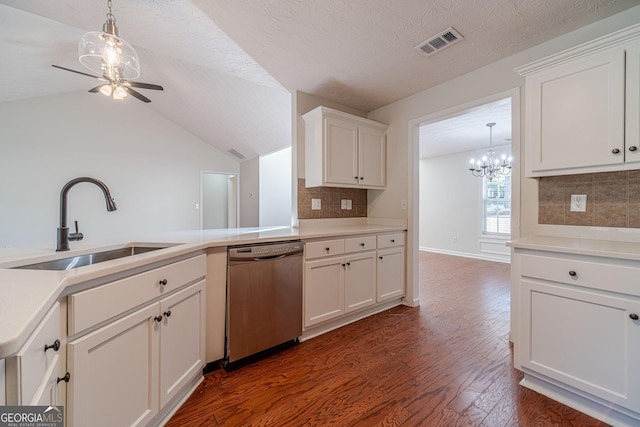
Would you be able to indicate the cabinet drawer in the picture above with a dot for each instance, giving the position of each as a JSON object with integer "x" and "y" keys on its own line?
{"x": 323, "y": 248}
{"x": 390, "y": 240}
{"x": 26, "y": 371}
{"x": 90, "y": 307}
{"x": 356, "y": 244}
{"x": 591, "y": 274}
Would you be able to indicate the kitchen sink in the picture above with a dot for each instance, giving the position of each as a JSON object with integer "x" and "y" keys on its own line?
{"x": 89, "y": 259}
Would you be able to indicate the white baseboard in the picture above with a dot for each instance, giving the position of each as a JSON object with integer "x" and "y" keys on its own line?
{"x": 487, "y": 257}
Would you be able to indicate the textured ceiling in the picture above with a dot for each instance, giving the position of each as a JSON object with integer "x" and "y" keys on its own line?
{"x": 467, "y": 130}
{"x": 228, "y": 66}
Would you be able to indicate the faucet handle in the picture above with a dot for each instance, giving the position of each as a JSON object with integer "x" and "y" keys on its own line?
{"x": 77, "y": 235}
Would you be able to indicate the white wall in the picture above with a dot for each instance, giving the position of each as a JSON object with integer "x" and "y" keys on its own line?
{"x": 250, "y": 193}
{"x": 450, "y": 204}
{"x": 275, "y": 188}
{"x": 151, "y": 166}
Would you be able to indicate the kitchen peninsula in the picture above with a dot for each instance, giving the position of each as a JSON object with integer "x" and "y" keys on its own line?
{"x": 142, "y": 317}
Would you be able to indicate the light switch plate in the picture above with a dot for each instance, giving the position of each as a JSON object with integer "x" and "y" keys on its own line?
{"x": 316, "y": 204}
{"x": 578, "y": 203}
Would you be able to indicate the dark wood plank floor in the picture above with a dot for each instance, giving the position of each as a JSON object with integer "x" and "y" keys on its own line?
{"x": 446, "y": 363}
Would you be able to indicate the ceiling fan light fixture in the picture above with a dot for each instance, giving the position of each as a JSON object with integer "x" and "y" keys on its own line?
{"x": 119, "y": 93}
{"x": 106, "y": 54}
{"x": 106, "y": 90}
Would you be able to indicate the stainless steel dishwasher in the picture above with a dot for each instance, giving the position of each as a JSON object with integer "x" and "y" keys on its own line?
{"x": 264, "y": 297}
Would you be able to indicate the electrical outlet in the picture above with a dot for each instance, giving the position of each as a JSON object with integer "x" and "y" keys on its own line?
{"x": 578, "y": 203}
{"x": 316, "y": 204}
{"x": 454, "y": 239}
{"x": 403, "y": 205}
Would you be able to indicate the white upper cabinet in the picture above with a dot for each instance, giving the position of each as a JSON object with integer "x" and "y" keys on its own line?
{"x": 576, "y": 104}
{"x": 342, "y": 150}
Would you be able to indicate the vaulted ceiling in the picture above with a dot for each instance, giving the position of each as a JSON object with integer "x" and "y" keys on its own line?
{"x": 228, "y": 66}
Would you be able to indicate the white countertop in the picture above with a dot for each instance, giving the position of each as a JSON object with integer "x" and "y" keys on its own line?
{"x": 28, "y": 294}
{"x": 591, "y": 247}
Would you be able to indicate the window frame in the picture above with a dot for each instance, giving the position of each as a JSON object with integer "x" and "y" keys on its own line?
{"x": 505, "y": 199}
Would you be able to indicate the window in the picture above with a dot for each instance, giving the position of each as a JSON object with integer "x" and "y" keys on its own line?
{"x": 497, "y": 205}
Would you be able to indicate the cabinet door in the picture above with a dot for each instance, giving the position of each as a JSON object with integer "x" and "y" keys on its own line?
{"x": 360, "y": 281}
{"x": 390, "y": 273}
{"x": 323, "y": 290}
{"x": 576, "y": 114}
{"x": 182, "y": 351}
{"x": 29, "y": 371}
{"x": 582, "y": 338}
{"x": 340, "y": 152}
{"x": 51, "y": 392}
{"x": 114, "y": 373}
{"x": 632, "y": 121}
{"x": 372, "y": 157}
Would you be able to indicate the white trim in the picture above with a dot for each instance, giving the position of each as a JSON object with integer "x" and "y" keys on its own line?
{"x": 495, "y": 258}
{"x": 413, "y": 185}
{"x": 587, "y": 48}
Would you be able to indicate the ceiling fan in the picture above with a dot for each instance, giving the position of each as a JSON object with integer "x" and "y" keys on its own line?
{"x": 113, "y": 59}
{"x": 116, "y": 87}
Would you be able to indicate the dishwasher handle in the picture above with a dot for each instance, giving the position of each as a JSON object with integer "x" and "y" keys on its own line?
{"x": 244, "y": 255}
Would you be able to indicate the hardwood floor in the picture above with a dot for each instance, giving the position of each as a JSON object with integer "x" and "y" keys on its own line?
{"x": 445, "y": 363}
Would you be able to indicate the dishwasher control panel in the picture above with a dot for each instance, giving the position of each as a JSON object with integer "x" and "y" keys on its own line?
{"x": 269, "y": 250}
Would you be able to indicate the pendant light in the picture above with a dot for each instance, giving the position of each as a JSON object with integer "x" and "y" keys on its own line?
{"x": 106, "y": 54}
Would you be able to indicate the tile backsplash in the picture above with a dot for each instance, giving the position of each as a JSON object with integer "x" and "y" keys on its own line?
{"x": 613, "y": 199}
{"x": 330, "y": 202}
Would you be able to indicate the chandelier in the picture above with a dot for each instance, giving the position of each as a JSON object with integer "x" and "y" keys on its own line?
{"x": 489, "y": 166}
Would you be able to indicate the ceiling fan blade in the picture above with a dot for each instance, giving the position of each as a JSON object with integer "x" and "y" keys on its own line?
{"x": 144, "y": 85}
{"x": 77, "y": 72}
{"x": 97, "y": 88}
{"x": 135, "y": 94}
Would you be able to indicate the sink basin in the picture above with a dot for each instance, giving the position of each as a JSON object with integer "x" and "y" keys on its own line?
{"x": 89, "y": 259}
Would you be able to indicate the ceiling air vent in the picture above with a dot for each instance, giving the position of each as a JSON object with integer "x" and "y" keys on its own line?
{"x": 237, "y": 154}
{"x": 440, "y": 41}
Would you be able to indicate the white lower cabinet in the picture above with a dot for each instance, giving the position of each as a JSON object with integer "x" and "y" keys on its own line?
{"x": 359, "y": 281}
{"x": 323, "y": 290}
{"x": 390, "y": 273}
{"x": 579, "y": 333}
{"x": 125, "y": 372}
{"x": 584, "y": 339}
{"x": 182, "y": 341}
{"x": 114, "y": 373}
{"x": 342, "y": 275}
{"x": 338, "y": 285}
{"x": 32, "y": 374}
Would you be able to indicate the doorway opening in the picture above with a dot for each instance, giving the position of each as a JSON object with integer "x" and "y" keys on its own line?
{"x": 461, "y": 213}
{"x": 218, "y": 200}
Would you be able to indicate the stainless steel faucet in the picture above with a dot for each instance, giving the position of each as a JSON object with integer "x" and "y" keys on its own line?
{"x": 63, "y": 231}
